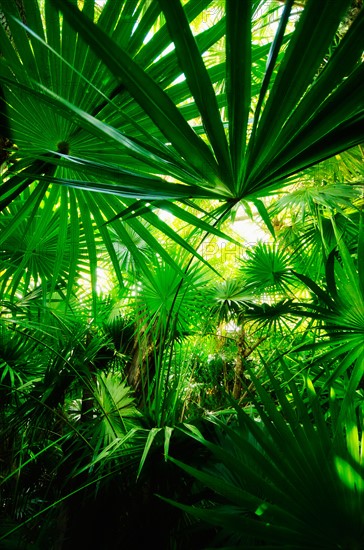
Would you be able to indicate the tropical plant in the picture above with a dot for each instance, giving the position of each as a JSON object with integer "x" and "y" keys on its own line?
{"x": 106, "y": 106}
{"x": 132, "y": 134}
{"x": 284, "y": 477}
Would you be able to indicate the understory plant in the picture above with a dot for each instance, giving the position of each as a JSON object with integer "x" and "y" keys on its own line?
{"x": 286, "y": 472}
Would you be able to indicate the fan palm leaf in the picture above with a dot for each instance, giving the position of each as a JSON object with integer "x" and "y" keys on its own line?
{"x": 267, "y": 268}
{"x": 94, "y": 105}
{"x": 290, "y": 477}
{"x": 336, "y": 309}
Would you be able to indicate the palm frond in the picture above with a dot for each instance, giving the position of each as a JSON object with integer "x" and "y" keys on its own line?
{"x": 284, "y": 477}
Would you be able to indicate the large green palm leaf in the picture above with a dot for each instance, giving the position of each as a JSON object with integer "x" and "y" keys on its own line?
{"x": 297, "y": 76}
{"x": 95, "y": 105}
{"x": 49, "y": 130}
{"x": 290, "y": 477}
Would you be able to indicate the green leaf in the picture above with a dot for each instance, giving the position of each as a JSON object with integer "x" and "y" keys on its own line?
{"x": 152, "y": 434}
{"x": 199, "y": 83}
{"x": 313, "y": 35}
{"x": 146, "y": 92}
{"x": 238, "y": 78}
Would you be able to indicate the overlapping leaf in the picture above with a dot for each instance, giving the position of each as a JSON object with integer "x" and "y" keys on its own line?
{"x": 119, "y": 101}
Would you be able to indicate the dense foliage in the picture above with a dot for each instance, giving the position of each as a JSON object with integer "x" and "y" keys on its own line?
{"x": 181, "y": 274}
